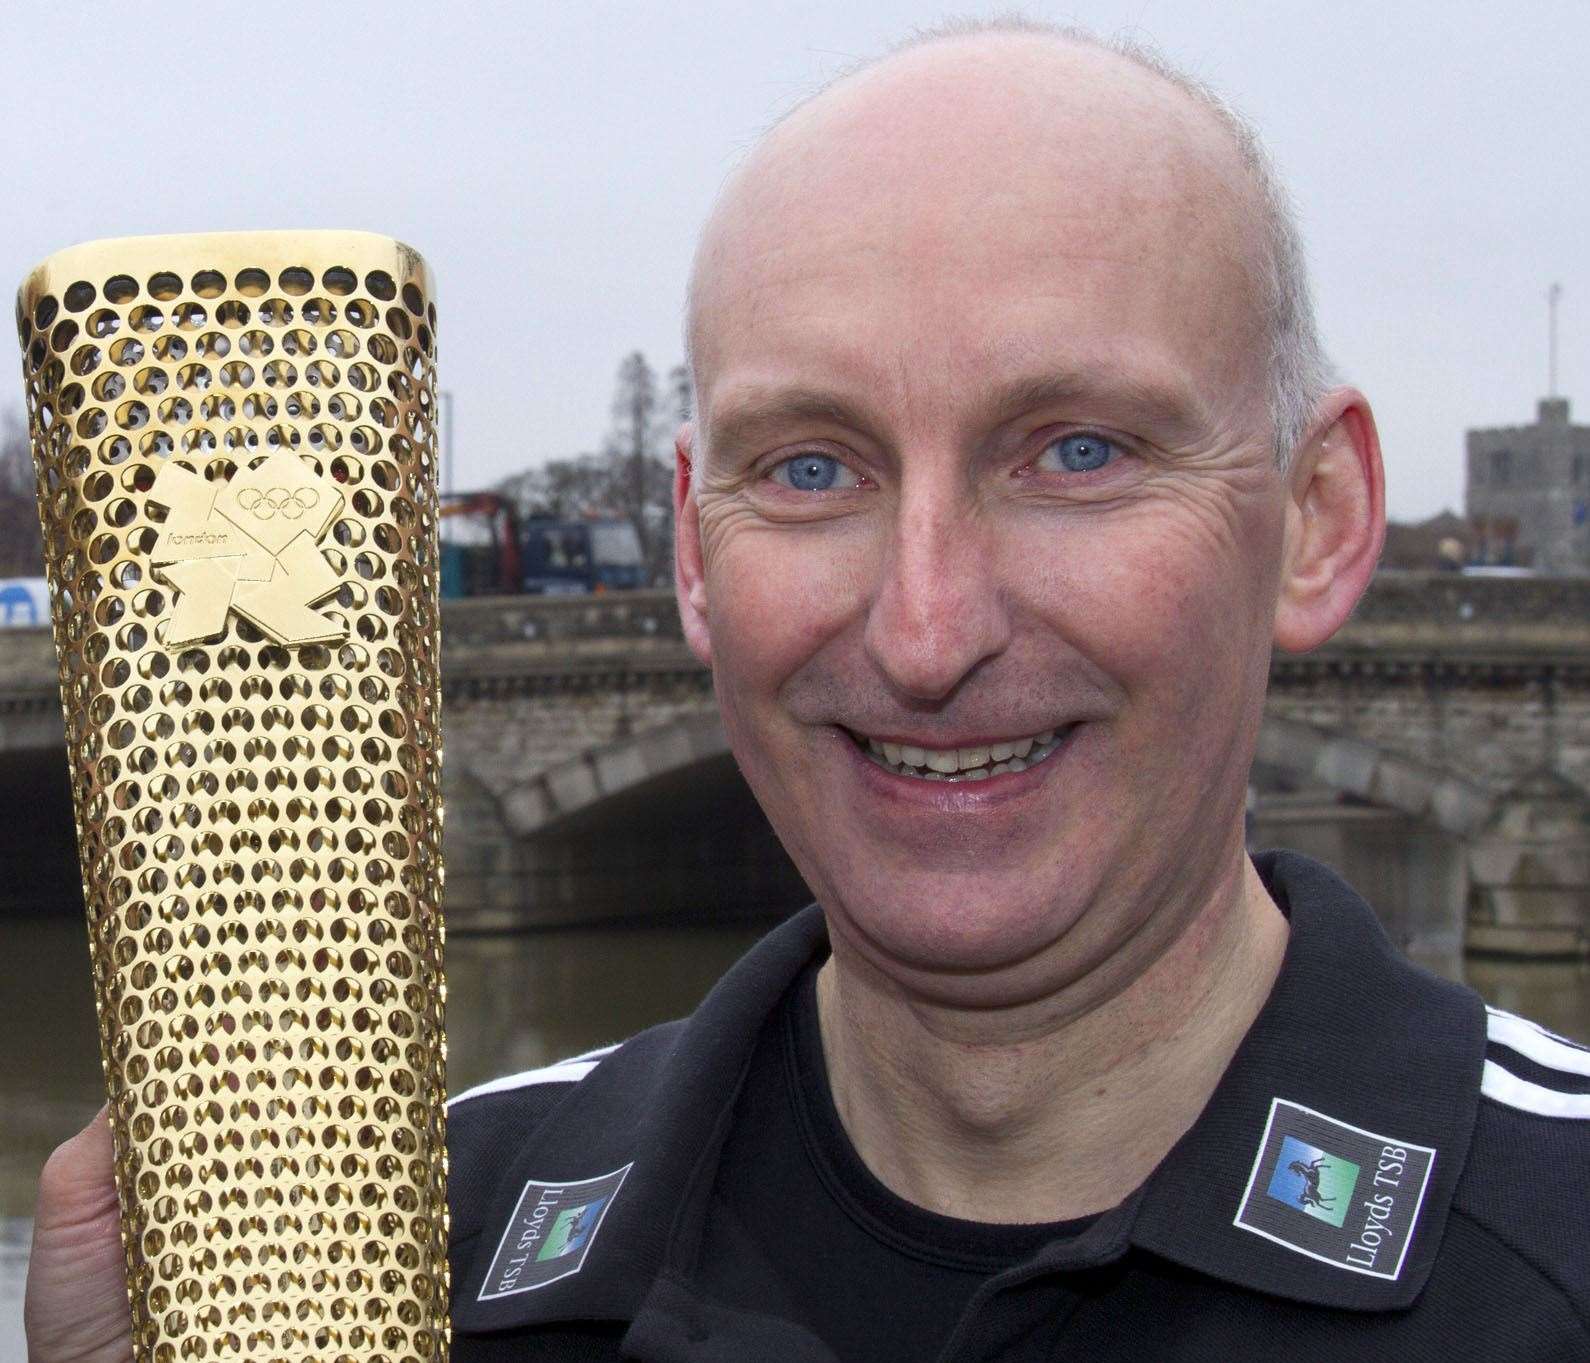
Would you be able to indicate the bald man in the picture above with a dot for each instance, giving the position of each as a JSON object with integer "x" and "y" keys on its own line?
{"x": 1016, "y": 455}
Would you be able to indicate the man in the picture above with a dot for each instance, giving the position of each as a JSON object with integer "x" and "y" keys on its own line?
{"x": 1015, "y": 455}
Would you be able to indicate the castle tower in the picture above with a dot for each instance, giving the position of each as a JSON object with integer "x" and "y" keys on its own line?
{"x": 1528, "y": 492}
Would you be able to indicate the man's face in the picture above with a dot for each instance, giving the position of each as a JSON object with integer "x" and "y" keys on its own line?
{"x": 985, "y": 464}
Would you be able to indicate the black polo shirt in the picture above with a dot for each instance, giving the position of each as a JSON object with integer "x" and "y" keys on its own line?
{"x": 1385, "y": 1171}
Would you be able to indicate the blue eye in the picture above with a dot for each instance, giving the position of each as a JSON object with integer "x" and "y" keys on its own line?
{"x": 1083, "y": 453}
{"x": 810, "y": 472}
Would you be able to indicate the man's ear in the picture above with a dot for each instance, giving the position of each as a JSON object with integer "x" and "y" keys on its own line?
{"x": 1335, "y": 522}
{"x": 689, "y": 581}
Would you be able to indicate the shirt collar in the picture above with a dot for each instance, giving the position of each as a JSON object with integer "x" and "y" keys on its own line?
{"x": 661, "y": 1104}
{"x": 1352, "y": 1030}
{"x": 1359, "y": 1035}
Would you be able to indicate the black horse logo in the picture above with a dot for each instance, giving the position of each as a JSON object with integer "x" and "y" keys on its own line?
{"x": 1310, "y": 1174}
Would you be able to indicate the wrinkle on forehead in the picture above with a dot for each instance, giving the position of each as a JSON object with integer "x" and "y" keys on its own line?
{"x": 936, "y": 159}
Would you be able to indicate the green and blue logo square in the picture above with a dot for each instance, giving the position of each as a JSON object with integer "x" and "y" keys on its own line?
{"x": 1314, "y": 1181}
{"x": 572, "y": 1229}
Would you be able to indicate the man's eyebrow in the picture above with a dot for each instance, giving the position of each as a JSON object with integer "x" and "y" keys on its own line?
{"x": 1163, "y": 409}
{"x": 756, "y": 410}
{"x": 1166, "y": 410}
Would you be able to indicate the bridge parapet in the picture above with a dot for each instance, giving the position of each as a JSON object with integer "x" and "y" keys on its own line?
{"x": 1444, "y": 620}
{"x": 1475, "y": 605}
{"x": 1448, "y": 613}
{"x": 1453, "y": 607}
{"x": 485, "y": 621}
{"x": 27, "y": 664}
{"x": 1442, "y": 601}
{"x": 1479, "y": 676}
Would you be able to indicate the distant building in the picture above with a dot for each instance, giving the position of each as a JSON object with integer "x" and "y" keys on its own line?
{"x": 1528, "y": 494}
{"x": 1444, "y": 543}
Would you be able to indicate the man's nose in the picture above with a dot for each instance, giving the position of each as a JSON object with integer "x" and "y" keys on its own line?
{"x": 940, "y": 608}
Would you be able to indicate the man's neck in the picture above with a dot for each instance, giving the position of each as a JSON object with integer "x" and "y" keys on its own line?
{"x": 1073, "y": 1117}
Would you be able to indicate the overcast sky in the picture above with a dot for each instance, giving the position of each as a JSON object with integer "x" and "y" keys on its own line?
{"x": 554, "y": 162}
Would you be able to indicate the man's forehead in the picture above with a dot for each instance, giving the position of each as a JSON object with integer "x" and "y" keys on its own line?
{"x": 948, "y": 158}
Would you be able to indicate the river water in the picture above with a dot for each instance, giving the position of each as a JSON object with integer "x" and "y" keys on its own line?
{"x": 514, "y": 1002}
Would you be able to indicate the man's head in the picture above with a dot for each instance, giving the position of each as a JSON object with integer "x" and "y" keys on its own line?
{"x": 983, "y": 340}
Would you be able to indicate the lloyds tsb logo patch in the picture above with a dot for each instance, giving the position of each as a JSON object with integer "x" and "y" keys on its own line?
{"x": 1335, "y": 1192}
{"x": 549, "y": 1234}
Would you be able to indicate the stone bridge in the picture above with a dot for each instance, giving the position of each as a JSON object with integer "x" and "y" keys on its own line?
{"x": 588, "y": 775}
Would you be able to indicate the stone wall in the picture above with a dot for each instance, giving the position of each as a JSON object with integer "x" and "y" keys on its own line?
{"x": 1484, "y": 677}
{"x": 501, "y": 738}
{"x": 1491, "y": 735}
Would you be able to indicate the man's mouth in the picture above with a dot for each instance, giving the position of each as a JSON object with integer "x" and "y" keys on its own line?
{"x": 962, "y": 764}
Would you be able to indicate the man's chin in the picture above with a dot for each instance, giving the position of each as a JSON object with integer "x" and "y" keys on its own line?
{"x": 931, "y": 925}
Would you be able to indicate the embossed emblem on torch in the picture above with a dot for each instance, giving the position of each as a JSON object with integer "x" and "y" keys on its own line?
{"x": 250, "y": 545}
{"x": 236, "y": 457}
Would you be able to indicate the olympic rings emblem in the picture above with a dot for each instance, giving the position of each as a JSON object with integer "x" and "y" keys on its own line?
{"x": 267, "y": 503}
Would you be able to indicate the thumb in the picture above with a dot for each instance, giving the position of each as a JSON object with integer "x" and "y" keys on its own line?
{"x": 77, "y": 1187}
{"x": 76, "y": 1304}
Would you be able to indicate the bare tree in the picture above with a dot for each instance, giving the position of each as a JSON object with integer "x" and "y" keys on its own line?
{"x": 638, "y": 431}
{"x": 630, "y": 478}
{"x": 682, "y": 392}
{"x": 563, "y": 489}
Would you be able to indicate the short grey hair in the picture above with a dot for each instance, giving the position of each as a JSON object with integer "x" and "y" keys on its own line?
{"x": 1299, "y": 371}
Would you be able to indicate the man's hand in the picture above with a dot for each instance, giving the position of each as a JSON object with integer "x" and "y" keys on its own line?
{"x": 76, "y": 1306}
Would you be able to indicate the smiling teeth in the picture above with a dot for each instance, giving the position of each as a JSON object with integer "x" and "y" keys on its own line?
{"x": 964, "y": 764}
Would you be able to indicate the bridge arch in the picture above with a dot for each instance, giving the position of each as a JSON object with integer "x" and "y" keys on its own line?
{"x": 1309, "y": 756}
{"x": 610, "y": 769}
{"x": 657, "y": 827}
{"x": 38, "y": 845}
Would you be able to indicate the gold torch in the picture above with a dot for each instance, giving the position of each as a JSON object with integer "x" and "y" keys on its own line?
{"x": 235, "y": 443}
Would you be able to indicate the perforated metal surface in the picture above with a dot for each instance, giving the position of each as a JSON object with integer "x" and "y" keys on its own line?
{"x": 236, "y": 457}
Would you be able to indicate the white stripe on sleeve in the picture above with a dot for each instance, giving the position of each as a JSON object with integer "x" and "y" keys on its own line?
{"x": 1536, "y": 1043}
{"x": 1508, "y": 1088}
{"x": 569, "y": 1071}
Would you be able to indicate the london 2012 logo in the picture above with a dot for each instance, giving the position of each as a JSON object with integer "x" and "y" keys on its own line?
{"x": 250, "y": 546}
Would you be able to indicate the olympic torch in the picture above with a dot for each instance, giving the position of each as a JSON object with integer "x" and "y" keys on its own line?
{"x": 235, "y": 443}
